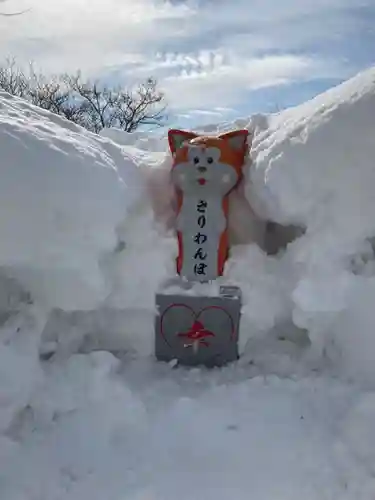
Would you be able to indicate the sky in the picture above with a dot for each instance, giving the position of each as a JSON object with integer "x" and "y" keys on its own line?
{"x": 214, "y": 59}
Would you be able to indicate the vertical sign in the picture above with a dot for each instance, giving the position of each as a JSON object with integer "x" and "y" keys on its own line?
{"x": 204, "y": 172}
{"x": 200, "y": 239}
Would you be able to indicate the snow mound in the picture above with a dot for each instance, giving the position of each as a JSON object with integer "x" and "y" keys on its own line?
{"x": 139, "y": 139}
{"x": 314, "y": 162}
{"x": 313, "y": 167}
{"x": 63, "y": 192}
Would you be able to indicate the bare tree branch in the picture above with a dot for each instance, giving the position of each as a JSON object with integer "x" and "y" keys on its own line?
{"x": 86, "y": 103}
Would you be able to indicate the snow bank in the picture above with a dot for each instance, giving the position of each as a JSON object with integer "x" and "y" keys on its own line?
{"x": 63, "y": 192}
{"x": 155, "y": 142}
{"x": 314, "y": 167}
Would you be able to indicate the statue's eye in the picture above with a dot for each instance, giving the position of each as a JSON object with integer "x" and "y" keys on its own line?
{"x": 210, "y": 159}
{"x": 196, "y": 160}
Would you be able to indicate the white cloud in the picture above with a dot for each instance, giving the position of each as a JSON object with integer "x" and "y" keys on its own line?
{"x": 90, "y": 34}
{"x": 224, "y": 82}
{"x": 205, "y": 53}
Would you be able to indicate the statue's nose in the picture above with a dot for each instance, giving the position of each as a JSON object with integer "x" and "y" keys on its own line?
{"x": 202, "y": 169}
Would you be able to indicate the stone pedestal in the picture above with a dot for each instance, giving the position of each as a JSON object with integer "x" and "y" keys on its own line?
{"x": 197, "y": 329}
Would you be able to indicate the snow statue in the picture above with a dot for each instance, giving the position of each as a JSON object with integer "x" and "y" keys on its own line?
{"x": 194, "y": 327}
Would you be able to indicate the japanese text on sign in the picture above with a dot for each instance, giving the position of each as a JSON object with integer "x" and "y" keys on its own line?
{"x": 200, "y": 239}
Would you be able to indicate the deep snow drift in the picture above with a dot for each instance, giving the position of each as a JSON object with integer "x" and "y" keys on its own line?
{"x": 63, "y": 192}
{"x": 292, "y": 419}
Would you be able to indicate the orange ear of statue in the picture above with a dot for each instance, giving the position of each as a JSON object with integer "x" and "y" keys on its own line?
{"x": 177, "y": 137}
{"x": 239, "y": 140}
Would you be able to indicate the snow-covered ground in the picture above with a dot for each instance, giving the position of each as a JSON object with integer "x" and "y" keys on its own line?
{"x": 85, "y": 411}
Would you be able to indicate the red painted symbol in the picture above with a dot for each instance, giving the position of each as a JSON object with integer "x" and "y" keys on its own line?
{"x": 197, "y": 334}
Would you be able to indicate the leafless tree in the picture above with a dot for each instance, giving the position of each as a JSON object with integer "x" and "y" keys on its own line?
{"x": 89, "y": 104}
{"x": 13, "y": 80}
{"x": 117, "y": 107}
